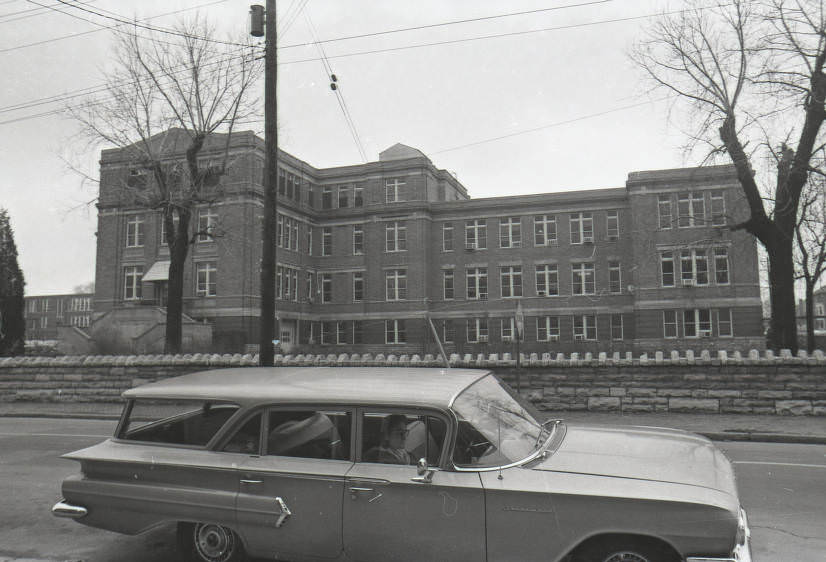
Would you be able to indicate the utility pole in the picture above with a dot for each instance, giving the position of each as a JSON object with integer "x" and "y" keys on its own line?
{"x": 268, "y": 245}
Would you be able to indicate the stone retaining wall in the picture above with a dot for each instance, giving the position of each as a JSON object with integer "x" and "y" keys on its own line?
{"x": 753, "y": 383}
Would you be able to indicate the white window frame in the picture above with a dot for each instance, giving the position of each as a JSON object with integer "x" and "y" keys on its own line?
{"x": 395, "y": 283}
{"x": 721, "y": 266}
{"x": 393, "y": 190}
{"x": 510, "y": 232}
{"x": 395, "y": 236}
{"x": 476, "y": 279}
{"x": 327, "y": 241}
{"x": 617, "y": 322}
{"x": 585, "y": 325}
{"x": 614, "y": 268}
{"x": 477, "y": 330}
{"x": 326, "y": 287}
{"x": 718, "y": 207}
{"x": 691, "y": 209}
{"x": 583, "y": 278}
{"x": 358, "y": 286}
{"x": 671, "y": 320}
{"x": 132, "y": 276}
{"x": 693, "y": 258}
{"x": 510, "y": 281}
{"x": 476, "y": 234}
{"x": 395, "y": 332}
{"x": 693, "y": 321}
{"x": 341, "y": 333}
{"x": 448, "y": 284}
{"x": 612, "y": 225}
{"x": 725, "y": 318}
{"x": 135, "y": 232}
{"x": 447, "y": 237}
{"x": 667, "y": 258}
{"x": 544, "y": 230}
{"x": 206, "y": 279}
{"x": 207, "y": 222}
{"x": 358, "y": 239}
{"x": 547, "y": 275}
{"x": 547, "y": 328}
{"x": 664, "y": 212}
{"x": 582, "y": 227}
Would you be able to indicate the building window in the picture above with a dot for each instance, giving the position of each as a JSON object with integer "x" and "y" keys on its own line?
{"x": 718, "y": 208}
{"x": 477, "y": 283}
{"x": 447, "y": 284}
{"x": 614, "y": 277}
{"x": 697, "y": 323}
{"x": 206, "y": 275}
{"x": 343, "y": 196}
{"x": 358, "y": 332}
{"x": 820, "y": 321}
{"x": 510, "y": 279}
{"x": 309, "y": 240}
{"x": 664, "y": 211}
{"x": 667, "y": 268}
{"x": 616, "y": 327}
{"x": 448, "y": 332}
{"x": 326, "y": 197}
{"x": 694, "y": 267}
{"x": 286, "y": 283}
{"x": 358, "y": 196}
{"x": 612, "y": 225}
{"x": 582, "y": 228}
{"x": 395, "y": 234}
{"x": 132, "y": 282}
{"x": 341, "y": 333}
{"x": 477, "y": 330}
{"x": 508, "y": 329}
{"x": 46, "y": 305}
{"x": 207, "y": 222}
{"x": 725, "y": 327}
{"x": 282, "y": 181}
{"x": 393, "y": 190}
{"x": 510, "y": 232}
{"x": 395, "y": 332}
{"x": 547, "y": 280}
{"x": 692, "y": 209}
{"x": 134, "y": 231}
{"x": 311, "y": 201}
{"x": 286, "y": 235}
{"x": 585, "y": 327}
{"x": 326, "y": 287}
{"x": 544, "y": 230}
{"x": 721, "y": 266}
{"x": 32, "y": 305}
{"x": 669, "y": 324}
{"x": 358, "y": 286}
{"x": 44, "y": 322}
{"x": 358, "y": 239}
{"x": 547, "y": 328}
{"x": 582, "y": 279}
{"x": 327, "y": 241}
{"x": 476, "y": 234}
{"x": 396, "y": 284}
{"x": 447, "y": 237}
{"x": 326, "y": 333}
{"x": 310, "y": 286}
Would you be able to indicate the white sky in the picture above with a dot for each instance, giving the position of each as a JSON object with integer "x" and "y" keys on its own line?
{"x": 433, "y": 98}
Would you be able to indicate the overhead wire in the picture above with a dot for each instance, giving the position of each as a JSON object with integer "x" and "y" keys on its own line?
{"x": 29, "y": 13}
{"x": 337, "y": 91}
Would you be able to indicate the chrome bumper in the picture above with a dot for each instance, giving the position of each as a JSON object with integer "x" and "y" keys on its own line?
{"x": 63, "y": 509}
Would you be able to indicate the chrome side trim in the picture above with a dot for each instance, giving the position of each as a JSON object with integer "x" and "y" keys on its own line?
{"x": 63, "y": 509}
{"x": 704, "y": 559}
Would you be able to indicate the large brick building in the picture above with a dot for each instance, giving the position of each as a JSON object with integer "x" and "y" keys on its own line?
{"x": 368, "y": 254}
{"x": 44, "y": 314}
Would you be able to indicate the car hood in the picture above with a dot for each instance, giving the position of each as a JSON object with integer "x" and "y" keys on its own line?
{"x": 642, "y": 453}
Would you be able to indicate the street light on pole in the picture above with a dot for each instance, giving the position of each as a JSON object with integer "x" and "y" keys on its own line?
{"x": 262, "y": 23}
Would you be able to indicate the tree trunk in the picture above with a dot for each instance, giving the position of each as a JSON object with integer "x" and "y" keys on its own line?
{"x": 175, "y": 299}
{"x": 783, "y": 325}
{"x": 810, "y": 316}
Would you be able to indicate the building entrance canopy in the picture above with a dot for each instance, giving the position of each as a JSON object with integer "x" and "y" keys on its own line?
{"x": 158, "y": 272}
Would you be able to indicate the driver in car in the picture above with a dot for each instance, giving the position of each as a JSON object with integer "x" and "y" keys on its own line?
{"x": 392, "y": 449}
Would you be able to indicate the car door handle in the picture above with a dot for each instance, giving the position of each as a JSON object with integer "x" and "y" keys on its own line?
{"x": 245, "y": 481}
{"x": 355, "y": 489}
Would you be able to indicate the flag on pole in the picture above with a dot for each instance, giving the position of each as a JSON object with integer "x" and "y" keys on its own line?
{"x": 520, "y": 321}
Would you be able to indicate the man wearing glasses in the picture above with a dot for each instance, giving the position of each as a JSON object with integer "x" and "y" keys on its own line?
{"x": 392, "y": 449}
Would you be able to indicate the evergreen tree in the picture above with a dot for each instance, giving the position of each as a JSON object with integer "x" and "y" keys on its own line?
{"x": 12, "y": 323}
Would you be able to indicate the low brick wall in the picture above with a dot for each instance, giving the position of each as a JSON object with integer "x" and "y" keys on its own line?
{"x": 753, "y": 383}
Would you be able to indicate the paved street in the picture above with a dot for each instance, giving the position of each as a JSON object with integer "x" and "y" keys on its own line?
{"x": 783, "y": 487}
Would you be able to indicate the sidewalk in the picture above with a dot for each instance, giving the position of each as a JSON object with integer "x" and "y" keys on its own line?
{"x": 719, "y": 427}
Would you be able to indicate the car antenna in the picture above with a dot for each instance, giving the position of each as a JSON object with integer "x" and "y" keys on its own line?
{"x": 438, "y": 341}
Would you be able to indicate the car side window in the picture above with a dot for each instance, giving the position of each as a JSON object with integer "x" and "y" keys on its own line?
{"x": 311, "y": 434}
{"x": 247, "y": 439}
{"x": 394, "y": 438}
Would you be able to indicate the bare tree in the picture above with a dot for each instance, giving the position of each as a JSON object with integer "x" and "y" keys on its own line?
{"x": 811, "y": 247}
{"x": 751, "y": 71}
{"x": 168, "y": 96}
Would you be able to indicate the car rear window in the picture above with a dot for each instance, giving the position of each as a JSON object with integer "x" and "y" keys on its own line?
{"x": 174, "y": 422}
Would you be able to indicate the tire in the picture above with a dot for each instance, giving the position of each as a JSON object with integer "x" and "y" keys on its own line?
{"x": 208, "y": 542}
{"x": 624, "y": 550}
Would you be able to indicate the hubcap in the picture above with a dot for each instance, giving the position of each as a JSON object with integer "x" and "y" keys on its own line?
{"x": 214, "y": 543}
{"x": 626, "y": 557}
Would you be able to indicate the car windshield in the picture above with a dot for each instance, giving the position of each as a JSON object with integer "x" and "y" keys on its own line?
{"x": 495, "y": 429}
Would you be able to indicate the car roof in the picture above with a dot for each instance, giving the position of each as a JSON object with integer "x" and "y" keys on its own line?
{"x": 392, "y": 386}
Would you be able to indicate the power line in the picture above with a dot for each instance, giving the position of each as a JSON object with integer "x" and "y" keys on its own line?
{"x": 442, "y": 24}
{"x": 102, "y": 27}
{"x": 29, "y": 13}
{"x": 550, "y": 125}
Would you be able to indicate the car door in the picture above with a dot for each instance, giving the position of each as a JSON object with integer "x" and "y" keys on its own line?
{"x": 290, "y": 499}
{"x": 393, "y": 514}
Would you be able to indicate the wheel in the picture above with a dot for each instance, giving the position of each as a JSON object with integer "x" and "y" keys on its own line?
{"x": 620, "y": 550}
{"x": 208, "y": 542}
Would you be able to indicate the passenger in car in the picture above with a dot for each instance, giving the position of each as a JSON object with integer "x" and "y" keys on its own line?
{"x": 392, "y": 449}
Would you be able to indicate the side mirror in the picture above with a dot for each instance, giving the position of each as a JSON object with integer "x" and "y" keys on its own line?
{"x": 425, "y": 473}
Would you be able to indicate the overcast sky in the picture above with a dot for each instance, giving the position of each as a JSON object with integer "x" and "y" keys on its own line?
{"x": 509, "y": 115}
